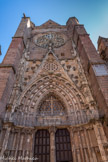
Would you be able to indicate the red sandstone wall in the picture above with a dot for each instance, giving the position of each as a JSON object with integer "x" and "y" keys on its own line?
{"x": 90, "y": 57}
{"x": 9, "y": 66}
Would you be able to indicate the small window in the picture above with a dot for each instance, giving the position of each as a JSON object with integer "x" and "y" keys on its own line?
{"x": 100, "y": 69}
{"x": 62, "y": 54}
{"x": 68, "y": 66}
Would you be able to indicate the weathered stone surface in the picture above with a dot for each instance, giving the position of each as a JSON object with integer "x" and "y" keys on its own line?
{"x": 49, "y": 81}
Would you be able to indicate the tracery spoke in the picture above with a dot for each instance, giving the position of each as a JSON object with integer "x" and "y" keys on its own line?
{"x": 51, "y": 106}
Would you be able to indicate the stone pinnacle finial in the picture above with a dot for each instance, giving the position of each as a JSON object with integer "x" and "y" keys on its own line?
{"x": 24, "y": 15}
{"x": 72, "y": 21}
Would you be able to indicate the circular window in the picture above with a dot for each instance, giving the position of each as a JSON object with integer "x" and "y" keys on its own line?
{"x": 44, "y": 40}
{"x": 50, "y": 66}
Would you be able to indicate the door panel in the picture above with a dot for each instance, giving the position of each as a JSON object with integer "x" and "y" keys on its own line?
{"x": 42, "y": 146}
{"x": 63, "y": 146}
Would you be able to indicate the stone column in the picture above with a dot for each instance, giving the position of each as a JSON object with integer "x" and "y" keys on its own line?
{"x": 33, "y": 132}
{"x": 100, "y": 143}
{"x": 5, "y": 142}
{"x": 52, "y": 131}
{"x": 72, "y": 142}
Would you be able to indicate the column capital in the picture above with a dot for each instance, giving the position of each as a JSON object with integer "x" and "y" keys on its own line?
{"x": 52, "y": 129}
{"x": 69, "y": 128}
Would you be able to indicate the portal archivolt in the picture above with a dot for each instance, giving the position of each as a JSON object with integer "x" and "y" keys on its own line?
{"x": 37, "y": 94}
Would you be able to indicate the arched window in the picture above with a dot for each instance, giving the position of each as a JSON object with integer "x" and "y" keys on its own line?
{"x": 51, "y": 105}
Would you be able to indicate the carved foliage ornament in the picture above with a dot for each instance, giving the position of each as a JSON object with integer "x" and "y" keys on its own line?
{"x": 44, "y": 40}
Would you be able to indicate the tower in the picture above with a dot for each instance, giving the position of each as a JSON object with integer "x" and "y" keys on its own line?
{"x": 53, "y": 95}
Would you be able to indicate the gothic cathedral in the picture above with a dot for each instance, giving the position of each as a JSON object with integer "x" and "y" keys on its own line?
{"x": 54, "y": 95}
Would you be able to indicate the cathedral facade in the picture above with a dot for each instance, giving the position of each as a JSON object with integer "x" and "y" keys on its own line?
{"x": 54, "y": 95}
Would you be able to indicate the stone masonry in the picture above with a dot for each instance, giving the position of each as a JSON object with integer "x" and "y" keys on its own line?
{"x": 54, "y": 95}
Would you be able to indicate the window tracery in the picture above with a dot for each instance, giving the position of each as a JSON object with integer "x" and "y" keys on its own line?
{"x": 44, "y": 40}
{"x": 51, "y": 105}
{"x": 50, "y": 66}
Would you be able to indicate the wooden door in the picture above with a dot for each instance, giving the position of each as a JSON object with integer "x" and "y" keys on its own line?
{"x": 63, "y": 146}
{"x": 42, "y": 146}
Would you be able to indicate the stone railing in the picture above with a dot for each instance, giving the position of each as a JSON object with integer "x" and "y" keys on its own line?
{"x": 75, "y": 118}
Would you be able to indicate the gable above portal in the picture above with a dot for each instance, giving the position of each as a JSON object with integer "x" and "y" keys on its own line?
{"x": 50, "y": 24}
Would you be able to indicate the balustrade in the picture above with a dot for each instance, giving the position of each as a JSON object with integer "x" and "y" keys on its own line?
{"x": 75, "y": 118}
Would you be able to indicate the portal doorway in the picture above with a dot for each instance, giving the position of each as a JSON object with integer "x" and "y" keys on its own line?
{"x": 63, "y": 146}
{"x": 42, "y": 146}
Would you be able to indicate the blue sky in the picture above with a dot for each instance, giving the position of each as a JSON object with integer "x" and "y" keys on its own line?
{"x": 92, "y": 13}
